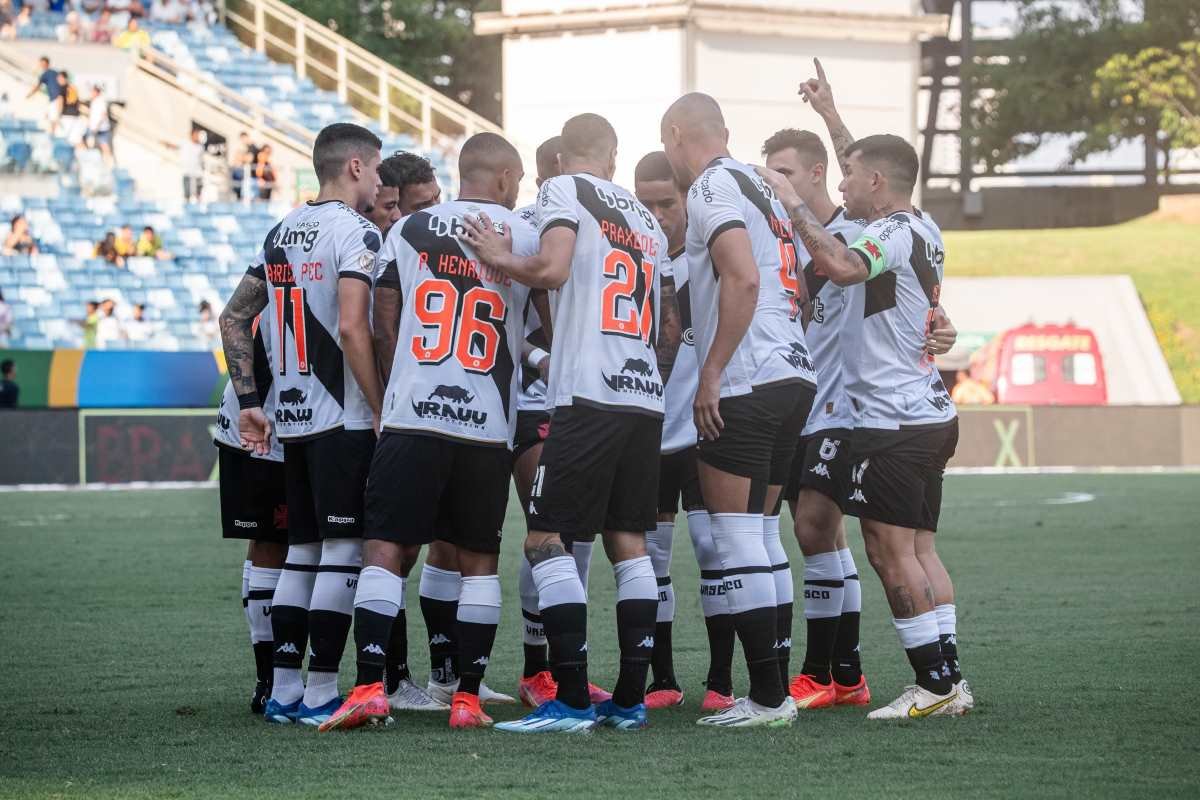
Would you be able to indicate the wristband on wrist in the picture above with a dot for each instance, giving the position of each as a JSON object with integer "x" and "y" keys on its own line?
{"x": 536, "y": 355}
{"x": 248, "y": 400}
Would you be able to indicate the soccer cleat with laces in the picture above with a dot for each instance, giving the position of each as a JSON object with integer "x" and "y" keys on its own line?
{"x": 809, "y": 694}
{"x": 745, "y": 713}
{"x": 715, "y": 701}
{"x": 966, "y": 700}
{"x": 537, "y": 689}
{"x": 552, "y": 717}
{"x": 611, "y": 715}
{"x": 663, "y": 696}
{"x": 917, "y": 702}
{"x": 596, "y": 695}
{"x": 444, "y": 693}
{"x": 281, "y": 714}
{"x": 465, "y": 712}
{"x": 857, "y": 695}
{"x": 410, "y": 697}
{"x": 366, "y": 705}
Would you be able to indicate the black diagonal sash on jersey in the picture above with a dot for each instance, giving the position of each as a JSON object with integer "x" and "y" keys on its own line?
{"x": 815, "y": 281}
{"x": 418, "y": 235}
{"x": 760, "y": 202}
{"x": 924, "y": 269}
{"x": 602, "y": 212}
{"x": 263, "y": 375}
{"x": 536, "y": 338}
{"x": 683, "y": 297}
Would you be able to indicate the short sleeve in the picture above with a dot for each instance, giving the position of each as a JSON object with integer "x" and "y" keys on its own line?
{"x": 258, "y": 267}
{"x": 358, "y": 250}
{"x": 884, "y": 245}
{"x": 715, "y": 205}
{"x": 525, "y": 240}
{"x": 557, "y": 205}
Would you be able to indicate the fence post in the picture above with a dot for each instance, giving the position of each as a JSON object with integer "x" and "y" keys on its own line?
{"x": 426, "y": 122}
{"x": 301, "y": 47}
{"x": 385, "y": 106}
{"x": 341, "y": 73}
{"x": 260, "y": 28}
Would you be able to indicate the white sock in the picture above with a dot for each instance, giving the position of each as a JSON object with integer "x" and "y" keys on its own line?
{"x": 781, "y": 570}
{"x": 748, "y": 580}
{"x": 261, "y": 595}
{"x": 246, "y": 565}
{"x": 582, "y": 553}
{"x": 534, "y": 633}
{"x": 712, "y": 576}
{"x": 852, "y": 600}
{"x": 380, "y": 591}
{"x": 658, "y": 547}
{"x": 824, "y": 587}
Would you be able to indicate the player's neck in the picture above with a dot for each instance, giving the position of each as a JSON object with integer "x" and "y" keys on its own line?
{"x": 886, "y": 206}
{"x": 821, "y": 206}
{"x": 336, "y": 191}
{"x": 706, "y": 156}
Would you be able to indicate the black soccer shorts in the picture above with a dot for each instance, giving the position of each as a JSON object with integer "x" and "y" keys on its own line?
{"x": 532, "y": 429}
{"x": 677, "y": 480}
{"x": 761, "y": 431}
{"x": 598, "y": 472}
{"x": 253, "y": 497}
{"x": 326, "y": 477}
{"x": 896, "y": 476}
{"x": 822, "y": 463}
{"x": 424, "y": 487}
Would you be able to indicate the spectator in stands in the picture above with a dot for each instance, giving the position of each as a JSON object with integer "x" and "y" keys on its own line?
{"x": 20, "y": 241}
{"x": 70, "y": 116}
{"x": 102, "y": 28}
{"x": 8, "y": 387}
{"x": 8, "y": 30}
{"x": 133, "y": 38}
{"x": 23, "y": 18}
{"x": 241, "y": 162}
{"x": 99, "y": 124}
{"x": 168, "y": 12}
{"x": 150, "y": 245}
{"x": 89, "y": 323}
{"x": 108, "y": 329}
{"x": 264, "y": 173}
{"x": 137, "y": 328}
{"x": 206, "y": 328}
{"x": 201, "y": 13}
{"x": 106, "y": 248}
{"x": 6, "y": 321}
{"x": 72, "y": 30}
{"x": 126, "y": 245}
{"x": 47, "y": 79}
{"x": 191, "y": 161}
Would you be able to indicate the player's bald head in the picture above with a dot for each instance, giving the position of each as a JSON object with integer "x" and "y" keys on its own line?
{"x": 485, "y": 155}
{"x": 547, "y": 158}
{"x": 695, "y": 114}
{"x": 588, "y": 136}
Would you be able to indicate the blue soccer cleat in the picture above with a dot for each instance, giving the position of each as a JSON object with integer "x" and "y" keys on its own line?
{"x": 611, "y": 715}
{"x": 552, "y": 717}
{"x": 318, "y": 715}
{"x": 281, "y": 714}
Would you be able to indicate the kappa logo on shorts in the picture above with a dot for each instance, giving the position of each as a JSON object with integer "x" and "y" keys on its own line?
{"x": 440, "y": 638}
{"x": 857, "y": 497}
{"x": 333, "y": 519}
{"x": 647, "y": 642}
{"x": 245, "y": 523}
{"x": 821, "y": 470}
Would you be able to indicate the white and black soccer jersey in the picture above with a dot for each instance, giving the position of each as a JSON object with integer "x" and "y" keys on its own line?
{"x": 729, "y": 194}
{"x": 606, "y": 314}
{"x": 227, "y": 432}
{"x": 831, "y": 408}
{"x": 890, "y": 379}
{"x": 533, "y": 395}
{"x": 461, "y": 322}
{"x": 679, "y": 424}
{"x": 303, "y": 258}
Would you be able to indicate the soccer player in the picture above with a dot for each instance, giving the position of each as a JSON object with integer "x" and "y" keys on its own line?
{"x": 905, "y": 425}
{"x": 443, "y": 462}
{"x": 254, "y": 507}
{"x": 314, "y": 278}
{"x": 407, "y": 185}
{"x": 756, "y": 385}
{"x": 603, "y": 251}
{"x": 655, "y": 187}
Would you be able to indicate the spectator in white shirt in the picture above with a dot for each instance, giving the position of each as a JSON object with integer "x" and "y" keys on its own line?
{"x": 108, "y": 331}
{"x": 138, "y": 328}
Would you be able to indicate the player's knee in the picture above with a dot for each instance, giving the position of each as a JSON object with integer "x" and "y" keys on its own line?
{"x": 442, "y": 555}
{"x": 624, "y": 546}
{"x": 385, "y": 554}
{"x": 408, "y": 558}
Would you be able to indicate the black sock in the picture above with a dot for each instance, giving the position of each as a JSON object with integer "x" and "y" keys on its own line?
{"x": 949, "y": 645}
{"x": 262, "y": 662}
{"x": 662, "y": 661}
{"x": 475, "y": 642}
{"x": 930, "y": 668}
{"x": 756, "y": 629}
{"x": 441, "y": 620}
{"x": 289, "y": 629}
{"x": 328, "y": 631}
{"x": 566, "y": 632}
{"x": 536, "y": 660}
{"x": 721, "y": 637}
{"x": 818, "y": 649}
{"x": 783, "y": 641}
{"x": 397, "y": 653}
{"x": 635, "y": 624}
{"x": 372, "y": 632}
{"x": 847, "y": 664}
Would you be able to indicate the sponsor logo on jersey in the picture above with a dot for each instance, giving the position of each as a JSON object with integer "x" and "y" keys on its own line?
{"x": 292, "y": 397}
{"x": 799, "y": 357}
{"x": 625, "y": 204}
{"x": 450, "y": 404}
{"x": 303, "y": 236}
{"x": 689, "y": 337}
{"x": 223, "y": 421}
{"x": 818, "y": 310}
{"x": 635, "y": 378}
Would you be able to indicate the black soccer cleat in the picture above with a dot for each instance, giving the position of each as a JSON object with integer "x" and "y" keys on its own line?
{"x": 262, "y": 693}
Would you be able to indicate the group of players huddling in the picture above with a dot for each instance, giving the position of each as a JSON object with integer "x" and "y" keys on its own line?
{"x": 724, "y": 336}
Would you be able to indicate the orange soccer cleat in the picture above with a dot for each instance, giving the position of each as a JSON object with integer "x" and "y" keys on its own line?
{"x": 715, "y": 701}
{"x": 664, "y": 698}
{"x": 856, "y": 695}
{"x": 809, "y": 694}
{"x": 597, "y": 695}
{"x": 465, "y": 712}
{"x": 366, "y": 705}
{"x": 537, "y": 689}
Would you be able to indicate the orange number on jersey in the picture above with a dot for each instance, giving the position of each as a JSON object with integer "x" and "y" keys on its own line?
{"x": 788, "y": 276}
{"x": 637, "y": 321}
{"x": 292, "y": 297}
{"x": 475, "y": 331}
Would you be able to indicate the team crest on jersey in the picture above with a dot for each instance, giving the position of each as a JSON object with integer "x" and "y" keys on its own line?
{"x": 799, "y": 357}
{"x": 366, "y": 262}
{"x": 635, "y": 377}
{"x": 450, "y": 404}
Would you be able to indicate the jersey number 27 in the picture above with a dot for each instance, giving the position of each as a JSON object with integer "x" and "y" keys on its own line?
{"x": 621, "y": 313}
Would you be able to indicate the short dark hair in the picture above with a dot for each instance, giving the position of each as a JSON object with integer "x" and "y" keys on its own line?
{"x": 205, "y": 304}
{"x": 62, "y": 73}
{"x": 902, "y": 163}
{"x": 6, "y": 366}
{"x": 402, "y": 169}
{"x": 806, "y": 143}
{"x": 655, "y": 167}
{"x": 148, "y": 228}
{"x": 486, "y": 151}
{"x": 338, "y": 143}
{"x": 12, "y": 223}
{"x": 547, "y": 157}
{"x": 587, "y": 135}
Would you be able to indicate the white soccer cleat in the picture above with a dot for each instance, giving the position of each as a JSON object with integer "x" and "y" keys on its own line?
{"x": 410, "y": 697}
{"x": 444, "y": 693}
{"x": 916, "y": 703}
{"x": 745, "y": 713}
{"x": 966, "y": 700}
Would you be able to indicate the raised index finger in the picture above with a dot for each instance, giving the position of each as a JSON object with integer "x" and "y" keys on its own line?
{"x": 820, "y": 69}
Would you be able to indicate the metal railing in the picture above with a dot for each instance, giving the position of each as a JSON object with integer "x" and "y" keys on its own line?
{"x": 367, "y": 83}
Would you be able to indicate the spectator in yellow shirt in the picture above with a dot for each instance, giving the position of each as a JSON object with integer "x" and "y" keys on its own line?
{"x": 133, "y": 37}
{"x": 125, "y": 244}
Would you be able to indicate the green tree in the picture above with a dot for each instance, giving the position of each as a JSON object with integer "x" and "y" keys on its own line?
{"x": 1044, "y": 81}
{"x": 1166, "y": 82}
{"x": 432, "y": 40}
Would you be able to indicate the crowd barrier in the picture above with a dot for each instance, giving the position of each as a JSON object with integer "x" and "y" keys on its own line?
{"x": 105, "y": 446}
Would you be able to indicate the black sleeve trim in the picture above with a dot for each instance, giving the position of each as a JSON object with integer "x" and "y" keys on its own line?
{"x": 561, "y": 223}
{"x": 258, "y": 271}
{"x": 724, "y": 226}
{"x": 358, "y": 276}
{"x": 866, "y": 261}
{"x": 389, "y": 278}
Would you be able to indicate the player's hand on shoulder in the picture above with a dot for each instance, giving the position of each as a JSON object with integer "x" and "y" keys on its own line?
{"x": 489, "y": 245}
{"x": 255, "y": 431}
{"x": 818, "y": 93}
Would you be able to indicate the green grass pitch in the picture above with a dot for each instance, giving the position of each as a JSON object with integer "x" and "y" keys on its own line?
{"x": 126, "y": 668}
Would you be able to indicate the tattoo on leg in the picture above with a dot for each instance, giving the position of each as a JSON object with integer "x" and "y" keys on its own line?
{"x": 536, "y": 554}
{"x": 929, "y": 594}
{"x": 901, "y": 601}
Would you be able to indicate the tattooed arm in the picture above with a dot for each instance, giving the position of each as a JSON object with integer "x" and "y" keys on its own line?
{"x": 670, "y": 329}
{"x": 819, "y": 94}
{"x": 385, "y": 326}
{"x": 237, "y": 336}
